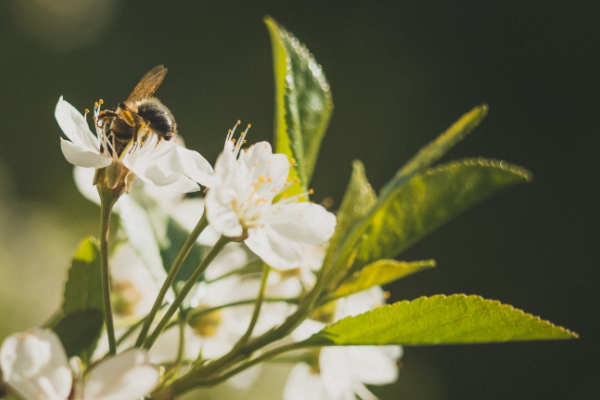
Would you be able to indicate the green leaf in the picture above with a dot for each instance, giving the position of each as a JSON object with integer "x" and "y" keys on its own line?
{"x": 380, "y": 272}
{"x": 175, "y": 238}
{"x": 79, "y": 331}
{"x": 83, "y": 289}
{"x": 303, "y": 103}
{"x": 428, "y": 201}
{"x": 455, "y": 319}
{"x": 82, "y": 302}
{"x": 356, "y": 203}
{"x": 437, "y": 148}
{"x": 425, "y": 157}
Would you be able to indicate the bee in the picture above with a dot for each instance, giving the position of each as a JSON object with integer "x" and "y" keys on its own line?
{"x": 140, "y": 113}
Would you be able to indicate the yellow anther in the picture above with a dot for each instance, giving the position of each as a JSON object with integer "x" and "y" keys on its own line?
{"x": 87, "y": 111}
{"x": 244, "y": 141}
{"x": 106, "y": 120}
{"x": 386, "y": 295}
{"x": 228, "y": 130}
{"x": 233, "y": 140}
{"x": 249, "y": 126}
{"x": 101, "y": 101}
{"x": 239, "y": 122}
{"x": 293, "y": 160}
{"x": 261, "y": 178}
{"x": 296, "y": 180}
{"x": 311, "y": 191}
{"x": 94, "y": 117}
{"x": 95, "y": 104}
{"x": 256, "y": 164}
{"x": 269, "y": 180}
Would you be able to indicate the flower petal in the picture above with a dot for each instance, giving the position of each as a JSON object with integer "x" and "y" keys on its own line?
{"x": 196, "y": 167}
{"x": 160, "y": 166}
{"x": 81, "y": 157}
{"x": 220, "y": 214}
{"x": 274, "y": 249}
{"x": 335, "y": 372}
{"x": 35, "y": 364}
{"x": 127, "y": 376}
{"x": 374, "y": 365}
{"x": 273, "y": 168}
{"x": 303, "y": 384}
{"x": 83, "y": 180}
{"x": 75, "y": 127}
{"x": 302, "y": 222}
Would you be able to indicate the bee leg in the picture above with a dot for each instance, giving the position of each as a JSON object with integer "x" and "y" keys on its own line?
{"x": 107, "y": 114}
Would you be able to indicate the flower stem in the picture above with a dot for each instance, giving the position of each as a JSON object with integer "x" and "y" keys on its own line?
{"x": 183, "y": 253}
{"x": 107, "y": 201}
{"x": 186, "y": 289}
{"x": 197, "y": 313}
{"x": 248, "y": 269}
{"x": 259, "y": 302}
{"x": 194, "y": 379}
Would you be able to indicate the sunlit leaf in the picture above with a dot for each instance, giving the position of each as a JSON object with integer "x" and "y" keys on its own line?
{"x": 425, "y": 157}
{"x": 455, "y": 319}
{"x": 437, "y": 148}
{"x": 423, "y": 204}
{"x": 430, "y": 200}
{"x": 380, "y": 272}
{"x": 82, "y": 302}
{"x": 79, "y": 331}
{"x": 303, "y": 103}
{"x": 83, "y": 289}
{"x": 357, "y": 201}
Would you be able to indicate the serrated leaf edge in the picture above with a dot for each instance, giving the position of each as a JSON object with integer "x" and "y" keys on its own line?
{"x": 503, "y": 306}
{"x": 483, "y": 162}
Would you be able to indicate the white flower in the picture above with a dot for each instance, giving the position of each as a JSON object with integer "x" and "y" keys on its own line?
{"x": 241, "y": 202}
{"x": 342, "y": 372}
{"x": 162, "y": 163}
{"x": 35, "y": 364}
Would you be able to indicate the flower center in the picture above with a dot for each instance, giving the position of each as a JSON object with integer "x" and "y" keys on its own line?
{"x": 125, "y": 298}
{"x": 206, "y": 324}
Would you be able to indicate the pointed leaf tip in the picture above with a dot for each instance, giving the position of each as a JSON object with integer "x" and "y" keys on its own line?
{"x": 440, "y": 319}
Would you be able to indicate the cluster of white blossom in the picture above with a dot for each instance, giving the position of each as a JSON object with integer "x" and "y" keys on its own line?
{"x": 245, "y": 201}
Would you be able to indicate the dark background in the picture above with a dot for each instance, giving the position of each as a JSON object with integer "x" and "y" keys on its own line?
{"x": 400, "y": 72}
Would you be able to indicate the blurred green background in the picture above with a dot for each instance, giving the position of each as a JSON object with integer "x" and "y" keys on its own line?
{"x": 400, "y": 73}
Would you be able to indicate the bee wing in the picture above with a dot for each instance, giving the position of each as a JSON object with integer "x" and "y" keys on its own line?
{"x": 149, "y": 84}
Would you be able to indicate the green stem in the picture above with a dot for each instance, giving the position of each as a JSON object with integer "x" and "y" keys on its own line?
{"x": 191, "y": 380}
{"x": 186, "y": 289}
{"x": 133, "y": 327}
{"x": 183, "y": 253}
{"x": 107, "y": 201}
{"x": 197, "y": 313}
{"x": 250, "y": 268}
{"x": 181, "y": 351}
{"x": 305, "y": 307}
{"x": 259, "y": 302}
